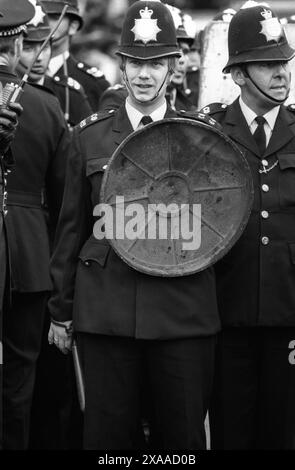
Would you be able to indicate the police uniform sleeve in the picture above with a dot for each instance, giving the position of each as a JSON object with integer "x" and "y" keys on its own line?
{"x": 74, "y": 227}
{"x": 55, "y": 177}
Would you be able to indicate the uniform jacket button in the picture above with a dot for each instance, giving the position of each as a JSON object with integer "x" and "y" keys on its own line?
{"x": 265, "y": 188}
{"x": 265, "y": 214}
{"x": 87, "y": 263}
{"x": 265, "y": 240}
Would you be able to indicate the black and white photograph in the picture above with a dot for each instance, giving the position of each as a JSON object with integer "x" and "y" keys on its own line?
{"x": 147, "y": 231}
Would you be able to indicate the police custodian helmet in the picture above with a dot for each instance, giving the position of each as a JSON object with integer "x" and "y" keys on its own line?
{"x": 38, "y": 28}
{"x": 148, "y": 32}
{"x": 55, "y": 7}
{"x": 255, "y": 34}
{"x": 14, "y": 16}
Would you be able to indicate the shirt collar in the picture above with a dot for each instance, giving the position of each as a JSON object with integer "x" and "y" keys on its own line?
{"x": 250, "y": 116}
{"x": 57, "y": 62}
{"x": 135, "y": 116}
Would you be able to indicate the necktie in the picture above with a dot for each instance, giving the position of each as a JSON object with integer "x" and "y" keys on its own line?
{"x": 259, "y": 134}
{"x": 146, "y": 120}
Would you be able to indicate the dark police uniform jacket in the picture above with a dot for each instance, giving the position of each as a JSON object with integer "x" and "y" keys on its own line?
{"x": 184, "y": 98}
{"x": 91, "y": 283}
{"x": 79, "y": 107}
{"x": 91, "y": 79}
{"x": 256, "y": 279}
{"x": 40, "y": 149}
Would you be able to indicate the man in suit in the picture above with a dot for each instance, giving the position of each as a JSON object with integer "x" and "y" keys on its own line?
{"x": 35, "y": 190}
{"x": 253, "y": 403}
{"x": 62, "y": 63}
{"x": 123, "y": 318}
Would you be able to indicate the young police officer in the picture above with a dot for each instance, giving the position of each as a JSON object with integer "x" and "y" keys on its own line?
{"x": 69, "y": 92}
{"x": 253, "y": 405}
{"x": 13, "y": 18}
{"x": 123, "y": 316}
{"x": 179, "y": 96}
{"x": 62, "y": 63}
{"x": 40, "y": 150}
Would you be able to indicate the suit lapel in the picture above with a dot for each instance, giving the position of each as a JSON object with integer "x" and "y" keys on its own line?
{"x": 236, "y": 127}
{"x": 283, "y": 132}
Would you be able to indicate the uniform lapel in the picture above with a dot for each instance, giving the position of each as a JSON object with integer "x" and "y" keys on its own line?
{"x": 236, "y": 127}
{"x": 170, "y": 113}
{"x": 121, "y": 125}
{"x": 283, "y": 132}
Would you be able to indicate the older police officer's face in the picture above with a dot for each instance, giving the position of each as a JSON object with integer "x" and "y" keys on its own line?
{"x": 273, "y": 78}
{"x": 145, "y": 78}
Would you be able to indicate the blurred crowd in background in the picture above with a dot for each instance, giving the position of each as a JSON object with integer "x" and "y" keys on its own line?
{"x": 95, "y": 44}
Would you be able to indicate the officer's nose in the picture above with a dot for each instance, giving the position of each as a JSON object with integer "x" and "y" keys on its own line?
{"x": 181, "y": 60}
{"x": 144, "y": 71}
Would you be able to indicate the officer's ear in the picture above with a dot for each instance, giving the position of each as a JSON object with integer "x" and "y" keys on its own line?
{"x": 73, "y": 27}
{"x": 238, "y": 75}
{"x": 18, "y": 46}
{"x": 122, "y": 63}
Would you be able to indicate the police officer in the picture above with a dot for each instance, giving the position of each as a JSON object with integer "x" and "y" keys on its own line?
{"x": 63, "y": 64}
{"x": 40, "y": 150}
{"x": 13, "y": 19}
{"x": 178, "y": 94}
{"x": 122, "y": 316}
{"x": 47, "y": 403}
{"x": 253, "y": 402}
{"x": 69, "y": 92}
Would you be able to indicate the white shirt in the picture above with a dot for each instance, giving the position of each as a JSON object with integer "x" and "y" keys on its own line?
{"x": 270, "y": 117}
{"x": 56, "y": 63}
{"x": 135, "y": 116}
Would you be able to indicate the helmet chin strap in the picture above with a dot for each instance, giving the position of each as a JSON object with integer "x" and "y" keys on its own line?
{"x": 127, "y": 83}
{"x": 274, "y": 100}
{"x": 54, "y": 40}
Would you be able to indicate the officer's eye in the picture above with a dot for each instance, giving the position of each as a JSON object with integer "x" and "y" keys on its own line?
{"x": 134, "y": 62}
{"x": 28, "y": 47}
{"x": 273, "y": 64}
{"x": 157, "y": 63}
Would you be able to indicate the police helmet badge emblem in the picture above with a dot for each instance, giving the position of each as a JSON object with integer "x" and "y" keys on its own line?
{"x": 39, "y": 14}
{"x": 145, "y": 28}
{"x": 271, "y": 27}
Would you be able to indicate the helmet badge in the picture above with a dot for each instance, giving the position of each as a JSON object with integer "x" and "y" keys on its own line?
{"x": 145, "y": 28}
{"x": 271, "y": 27}
{"x": 39, "y": 14}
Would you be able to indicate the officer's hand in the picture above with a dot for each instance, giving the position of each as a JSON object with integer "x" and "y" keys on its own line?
{"x": 59, "y": 336}
{"x": 8, "y": 124}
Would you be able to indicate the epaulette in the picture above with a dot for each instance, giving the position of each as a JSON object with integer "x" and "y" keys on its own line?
{"x": 93, "y": 71}
{"x": 96, "y": 117}
{"x": 291, "y": 107}
{"x": 67, "y": 81}
{"x": 200, "y": 116}
{"x": 214, "y": 108}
